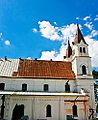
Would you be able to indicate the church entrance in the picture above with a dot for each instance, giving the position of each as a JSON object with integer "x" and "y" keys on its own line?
{"x": 18, "y": 112}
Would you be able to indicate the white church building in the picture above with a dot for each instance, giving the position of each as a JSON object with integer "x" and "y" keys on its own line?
{"x": 49, "y": 90}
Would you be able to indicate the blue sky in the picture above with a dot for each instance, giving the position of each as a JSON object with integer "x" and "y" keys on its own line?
{"x": 38, "y": 28}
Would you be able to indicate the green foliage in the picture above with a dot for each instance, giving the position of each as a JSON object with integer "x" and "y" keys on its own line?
{"x": 95, "y": 74}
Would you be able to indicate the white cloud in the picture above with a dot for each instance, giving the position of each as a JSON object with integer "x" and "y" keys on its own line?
{"x": 95, "y": 19}
{"x": 86, "y": 18}
{"x": 47, "y": 55}
{"x": 48, "y": 31}
{"x": 0, "y": 34}
{"x": 68, "y": 31}
{"x": 94, "y": 33}
{"x": 93, "y": 50}
{"x": 55, "y": 23}
{"x": 57, "y": 33}
{"x": 28, "y": 58}
{"x": 62, "y": 33}
{"x": 77, "y": 18}
{"x": 34, "y": 30}
{"x": 65, "y": 32}
{"x": 7, "y": 42}
{"x": 89, "y": 25}
{"x": 56, "y": 56}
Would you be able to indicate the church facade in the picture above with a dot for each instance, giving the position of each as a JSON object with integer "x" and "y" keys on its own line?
{"x": 49, "y": 90}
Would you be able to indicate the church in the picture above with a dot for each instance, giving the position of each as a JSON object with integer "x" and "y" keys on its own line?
{"x": 49, "y": 90}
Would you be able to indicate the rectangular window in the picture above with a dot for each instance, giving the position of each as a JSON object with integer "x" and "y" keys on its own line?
{"x": 24, "y": 87}
{"x": 2, "y": 85}
{"x": 45, "y": 87}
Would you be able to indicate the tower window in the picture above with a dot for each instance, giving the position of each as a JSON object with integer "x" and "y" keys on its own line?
{"x": 48, "y": 111}
{"x": 80, "y": 49}
{"x": 46, "y": 87}
{"x": 83, "y": 70}
{"x": 67, "y": 87}
{"x": 2, "y": 85}
{"x": 74, "y": 109}
{"x": 84, "y": 50}
{"x": 24, "y": 87}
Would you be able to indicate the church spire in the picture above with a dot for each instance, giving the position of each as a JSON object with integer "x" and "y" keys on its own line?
{"x": 78, "y": 36}
{"x": 68, "y": 50}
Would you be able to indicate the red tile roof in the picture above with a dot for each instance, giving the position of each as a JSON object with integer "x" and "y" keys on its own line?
{"x": 45, "y": 69}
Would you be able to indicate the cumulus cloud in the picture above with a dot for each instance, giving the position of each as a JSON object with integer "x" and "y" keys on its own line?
{"x": 57, "y": 33}
{"x": 47, "y": 55}
{"x": 96, "y": 18}
{"x": 7, "y": 42}
{"x": 64, "y": 33}
{"x": 28, "y": 58}
{"x": 48, "y": 31}
{"x": 86, "y": 18}
{"x": 93, "y": 50}
{"x": 68, "y": 31}
{"x": 94, "y": 33}
{"x": 89, "y": 25}
{"x": 55, "y": 23}
{"x": 34, "y": 30}
{"x": 0, "y": 34}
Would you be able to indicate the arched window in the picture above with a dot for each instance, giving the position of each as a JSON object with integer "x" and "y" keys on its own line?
{"x": 67, "y": 87}
{"x": 24, "y": 87}
{"x": 46, "y": 87}
{"x": 80, "y": 49}
{"x": 83, "y": 70}
{"x": 2, "y": 85}
{"x": 84, "y": 50}
{"x": 48, "y": 111}
{"x": 74, "y": 109}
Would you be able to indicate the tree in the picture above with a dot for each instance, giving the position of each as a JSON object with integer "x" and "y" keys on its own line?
{"x": 95, "y": 74}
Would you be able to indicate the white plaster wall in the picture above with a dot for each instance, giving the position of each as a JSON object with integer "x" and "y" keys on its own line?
{"x": 35, "y": 107}
{"x": 27, "y": 102}
{"x": 89, "y": 86}
{"x": 82, "y": 111}
{"x": 55, "y": 85}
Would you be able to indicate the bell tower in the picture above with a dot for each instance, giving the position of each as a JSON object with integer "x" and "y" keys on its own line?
{"x": 81, "y": 61}
{"x": 81, "y": 65}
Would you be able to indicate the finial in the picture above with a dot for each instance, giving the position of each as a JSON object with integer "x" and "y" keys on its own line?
{"x": 5, "y": 57}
